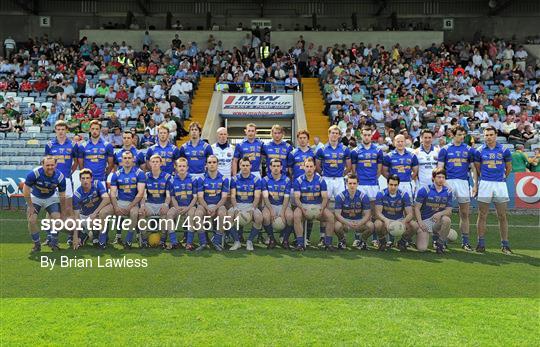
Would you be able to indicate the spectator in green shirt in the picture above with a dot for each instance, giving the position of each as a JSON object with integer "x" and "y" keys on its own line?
{"x": 535, "y": 161}
{"x": 519, "y": 159}
{"x": 102, "y": 89}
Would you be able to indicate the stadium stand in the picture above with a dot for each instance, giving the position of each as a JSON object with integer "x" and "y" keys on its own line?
{"x": 394, "y": 89}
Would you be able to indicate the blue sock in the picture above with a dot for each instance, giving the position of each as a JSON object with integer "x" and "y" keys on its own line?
{"x": 287, "y": 232}
{"x": 35, "y": 237}
{"x": 217, "y": 238}
{"x": 309, "y": 227}
{"x": 323, "y": 231}
{"x": 505, "y": 243}
{"x": 102, "y": 238}
{"x": 253, "y": 234}
{"x": 189, "y": 237}
{"x": 234, "y": 234}
{"x": 465, "y": 239}
{"x": 202, "y": 238}
{"x": 300, "y": 241}
{"x": 54, "y": 239}
{"x": 481, "y": 242}
{"x": 163, "y": 238}
{"x": 270, "y": 231}
{"x": 129, "y": 237}
{"x": 435, "y": 238}
{"x": 172, "y": 237}
{"x": 328, "y": 240}
{"x": 70, "y": 237}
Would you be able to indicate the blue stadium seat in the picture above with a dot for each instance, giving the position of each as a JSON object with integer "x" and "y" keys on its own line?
{"x": 12, "y": 136}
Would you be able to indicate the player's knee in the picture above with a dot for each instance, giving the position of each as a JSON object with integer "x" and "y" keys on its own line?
{"x": 338, "y": 227}
{"x": 445, "y": 220}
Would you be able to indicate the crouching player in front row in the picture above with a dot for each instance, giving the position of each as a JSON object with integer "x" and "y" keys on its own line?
{"x": 311, "y": 199}
{"x": 127, "y": 190}
{"x": 91, "y": 202}
{"x": 276, "y": 195}
{"x": 45, "y": 187}
{"x": 212, "y": 191}
{"x": 183, "y": 190}
{"x": 394, "y": 205}
{"x": 157, "y": 199}
{"x": 433, "y": 209}
{"x": 353, "y": 212}
{"x": 245, "y": 197}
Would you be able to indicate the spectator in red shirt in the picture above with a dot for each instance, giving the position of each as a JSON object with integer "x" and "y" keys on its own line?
{"x": 41, "y": 85}
{"x": 122, "y": 94}
{"x": 3, "y": 84}
{"x": 94, "y": 111}
{"x": 25, "y": 86}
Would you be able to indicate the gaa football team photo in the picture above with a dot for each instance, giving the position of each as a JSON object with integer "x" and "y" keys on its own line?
{"x": 270, "y": 173}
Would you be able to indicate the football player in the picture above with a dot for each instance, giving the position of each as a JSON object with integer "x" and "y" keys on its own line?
{"x": 333, "y": 162}
{"x": 458, "y": 159}
{"x": 276, "y": 192}
{"x": 394, "y": 205}
{"x": 353, "y": 212}
{"x": 168, "y": 152}
{"x": 433, "y": 209}
{"x": 427, "y": 156}
{"x": 277, "y": 149}
{"x": 157, "y": 199}
{"x": 96, "y": 154}
{"x": 44, "y": 187}
{"x": 212, "y": 192}
{"x": 245, "y": 197}
{"x": 128, "y": 145}
{"x": 493, "y": 165}
{"x": 196, "y": 151}
{"x": 403, "y": 163}
{"x": 250, "y": 147}
{"x": 224, "y": 151}
{"x": 310, "y": 191}
{"x": 91, "y": 202}
{"x": 127, "y": 190}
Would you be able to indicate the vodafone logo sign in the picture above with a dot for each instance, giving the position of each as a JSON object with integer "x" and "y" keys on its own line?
{"x": 527, "y": 190}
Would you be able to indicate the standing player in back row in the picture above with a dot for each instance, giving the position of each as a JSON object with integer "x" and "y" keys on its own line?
{"x": 166, "y": 150}
{"x": 458, "y": 159}
{"x": 196, "y": 151}
{"x": 493, "y": 164}
{"x": 334, "y": 162}
{"x": 250, "y": 147}
{"x": 277, "y": 149}
{"x": 224, "y": 151}
{"x": 403, "y": 163}
{"x": 427, "y": 156}
{"x": 96, "y": 154}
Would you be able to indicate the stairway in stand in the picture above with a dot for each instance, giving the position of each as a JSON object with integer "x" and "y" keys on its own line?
{"x": 317, "y": 121}
{"x": 201, "y": 101}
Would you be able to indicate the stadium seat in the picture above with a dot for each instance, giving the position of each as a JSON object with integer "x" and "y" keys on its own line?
{"x": 16, "y": 160}
{"x": 12, "y": 136}
{"x": 34, "y": 129}
{"x": 27, "y": 136}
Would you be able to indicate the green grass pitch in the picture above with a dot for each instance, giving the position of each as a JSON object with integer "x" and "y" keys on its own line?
{"x": 274, "y": 297}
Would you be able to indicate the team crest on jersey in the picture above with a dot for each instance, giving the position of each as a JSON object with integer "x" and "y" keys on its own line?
{"x": 499, "y": 155}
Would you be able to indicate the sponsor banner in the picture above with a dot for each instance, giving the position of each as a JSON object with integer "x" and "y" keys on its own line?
{"x": 262, "y": 104}
{"x": 11, "y": 179}
{"x": 527, "y": 190}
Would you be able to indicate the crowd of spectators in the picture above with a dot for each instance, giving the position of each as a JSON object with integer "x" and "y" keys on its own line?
{"x": 395, "y": 89}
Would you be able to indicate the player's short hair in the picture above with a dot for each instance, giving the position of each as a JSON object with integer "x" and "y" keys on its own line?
{"x": 60, "y": 123}
{"x": 490, "y": 128}
{"x": 367, "y": 128}
{"x": 95, "y": 122}
{"x": 47, "y": 157}
{"x": 180, "y": 160}
{"x": 221, "y": 129}
{"x": 156, "y": 156}
{"x": 195, "y": 124}
{"x": 86, "y": 171}
{"x": 163, "y": 126}
{"x": 127, "y": 152}
{"x": 393, "y": 177}
{"x": 128, "y": 132}
{"x": 309, "y": 160}
{"x": 278, "y": 128}
{"x": 275, "y": 160}
{"x": 212, "y": 156}
{"x": 438, "y": 171}
{"x": 245, "y": 158}
{"x": 251, "y": 125}
{"x": 352, "y": 176}
{"x": 302, "y": 132}
{"x": 334, "y": 127}
{"x": 457, "y": 128}
{"x": 426, "y": 131}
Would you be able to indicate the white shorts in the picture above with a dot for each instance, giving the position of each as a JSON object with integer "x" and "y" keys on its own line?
{"x": 370, "y": 191}
{"x": 243, "y": 207}
{"x": 69, "y": 188}
{"x": 496, "y": 192}
{"x": 334, "y": 186}
{"x": 460, "y": 190}
{"x": 350, "y": 220}
{"x": 277, "y": 209}
{"x": 45, "y": 202}
{"x": 407, "y": 187}
{"x": 153, "y": 209}
{"x": 123, "y": 204}
{"x": 430, "y": 223}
